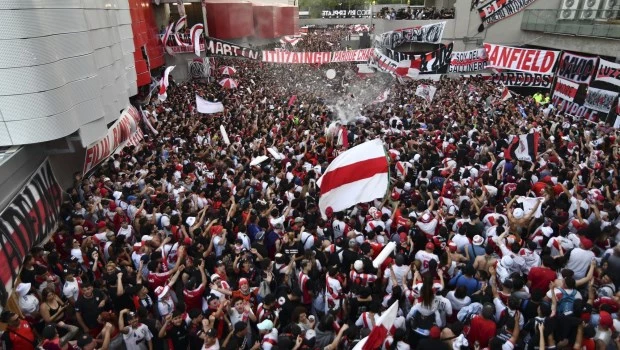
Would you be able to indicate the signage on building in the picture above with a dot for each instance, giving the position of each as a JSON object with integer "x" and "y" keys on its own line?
{"x": 123, "y": 129}
{"x": 26, "y": 222}
{"x": 345, "y": 13}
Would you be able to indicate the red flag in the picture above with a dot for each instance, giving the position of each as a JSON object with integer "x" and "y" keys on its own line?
{"x": 292, "y": 100}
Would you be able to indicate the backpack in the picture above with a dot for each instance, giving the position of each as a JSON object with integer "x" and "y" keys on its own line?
{"x": 565, "y": 305}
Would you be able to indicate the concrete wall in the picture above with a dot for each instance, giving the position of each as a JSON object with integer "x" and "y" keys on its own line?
{"x": 15, "y": 171}
{"x": 64, "y": 66}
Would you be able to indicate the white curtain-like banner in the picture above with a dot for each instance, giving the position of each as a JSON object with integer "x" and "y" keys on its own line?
{"x": 207, "y": 107}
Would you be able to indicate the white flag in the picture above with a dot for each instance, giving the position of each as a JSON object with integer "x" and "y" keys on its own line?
{"x": 207, "y": 107}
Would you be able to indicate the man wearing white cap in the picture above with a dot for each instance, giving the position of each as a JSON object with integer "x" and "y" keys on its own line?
{"x": 517, "y": 218}
{"x": 268, "y": 333}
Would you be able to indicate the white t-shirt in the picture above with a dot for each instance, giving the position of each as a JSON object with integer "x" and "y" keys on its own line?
{"x": 399, "y": 272}
{"x": 137, "y": 339}
{"x": 71, "y": 290}
{"x": 558, "y": 293}
{"x": 579, "y": 262}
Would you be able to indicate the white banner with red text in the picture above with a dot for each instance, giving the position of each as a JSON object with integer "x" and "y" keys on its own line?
{"x": 521, "y": 59}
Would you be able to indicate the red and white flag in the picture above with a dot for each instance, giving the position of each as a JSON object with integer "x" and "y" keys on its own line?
{"x": 382, "y": 97}
{"x": 355, "y": 176}
{"x": 506, "y": 95}
{"x": 380, "y": 331}
{"x": 408, "y": 68}
{"x": 195, "y": 34}
{"x": 167, "y": 33}
{"x": 163, "y": 84}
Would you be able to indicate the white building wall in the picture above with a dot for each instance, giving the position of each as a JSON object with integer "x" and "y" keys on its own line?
{"x": 64, "y": 67}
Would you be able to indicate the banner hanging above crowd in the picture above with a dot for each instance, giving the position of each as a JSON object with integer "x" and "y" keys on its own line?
{"x": 576, "y": 68}
{"x": 30, "y": 218}
{"x": 297, "y": 57}
{"x": 435, "y": 62}
{"x": 351, "y": 56}
{"x": 574, "y": 109}
{"x": 468, "y": 61}
{"x": 497, "y": 10}
{"x": 116, "y": 138}
{"x": 565, "y": 89}
{"x": 521, "y": 59}
{"x": 516, "y": 79}
{"x": 608, "y": 72}
{"x": 429, "y": 33}
{"x": 217, "y": 47}
{"x": 600, "y": 100}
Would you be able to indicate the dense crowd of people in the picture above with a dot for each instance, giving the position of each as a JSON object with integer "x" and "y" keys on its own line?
{"x": 416, "y": 13}
{"x": 184, "y": 243}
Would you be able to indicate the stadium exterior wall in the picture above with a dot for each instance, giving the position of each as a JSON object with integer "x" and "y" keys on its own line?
{"x": 72, "y": 71}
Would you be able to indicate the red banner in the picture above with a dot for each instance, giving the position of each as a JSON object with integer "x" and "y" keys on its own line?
{"x": 565, "y": 89}
{"x": 521, "y": 59}
{"x": 124, "y": 128}
{"x": 30, "y": 218}
{"x": 352, "y": 55}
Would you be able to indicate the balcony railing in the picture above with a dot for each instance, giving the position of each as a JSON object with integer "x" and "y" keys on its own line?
{"x": 592, "y": 23}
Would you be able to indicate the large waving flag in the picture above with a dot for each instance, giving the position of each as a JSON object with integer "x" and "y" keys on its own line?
{"x": 408, "y": 68}
{"x": 355, "y": 176}
{"x": 207, "y": 107}
{"x": 195, "y": 34}
{"x": 380, "y": 331}
{"x": 382, "y": 97}
{"x": 163, "y": 84}
{"x": 523, "y": 147}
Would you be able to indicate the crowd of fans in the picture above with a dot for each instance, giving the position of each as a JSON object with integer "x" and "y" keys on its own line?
{"x": 416, "y": 13}
{"x": 180, "y": 243}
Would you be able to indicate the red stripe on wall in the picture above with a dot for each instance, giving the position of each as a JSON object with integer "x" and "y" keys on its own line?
{"x": 353, "y": 172}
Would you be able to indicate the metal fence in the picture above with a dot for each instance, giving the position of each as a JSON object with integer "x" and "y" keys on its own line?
{"x": 594, "y": 23}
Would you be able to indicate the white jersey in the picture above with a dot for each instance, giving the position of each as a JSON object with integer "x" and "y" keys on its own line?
{"x": 137, "y": 338}
{"x": 425, "y": 258}
{"x": 333, "y": 294}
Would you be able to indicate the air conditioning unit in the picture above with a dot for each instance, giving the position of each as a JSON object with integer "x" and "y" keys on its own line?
{"x": 609, "y": 9}
{"x": 590, "y": 8}
{"x": 568, "y": 9}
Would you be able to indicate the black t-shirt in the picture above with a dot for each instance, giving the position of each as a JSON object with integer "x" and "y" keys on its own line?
{"x": 292, "y": 250}
{"x": 237, "y": 343}
{"x": 261, "y": 249}
{"x": 178, "y": 335}
{"x": 348, "y": 258}
{"x": 89, "y": 308}
{"x": 432, "y": 344}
